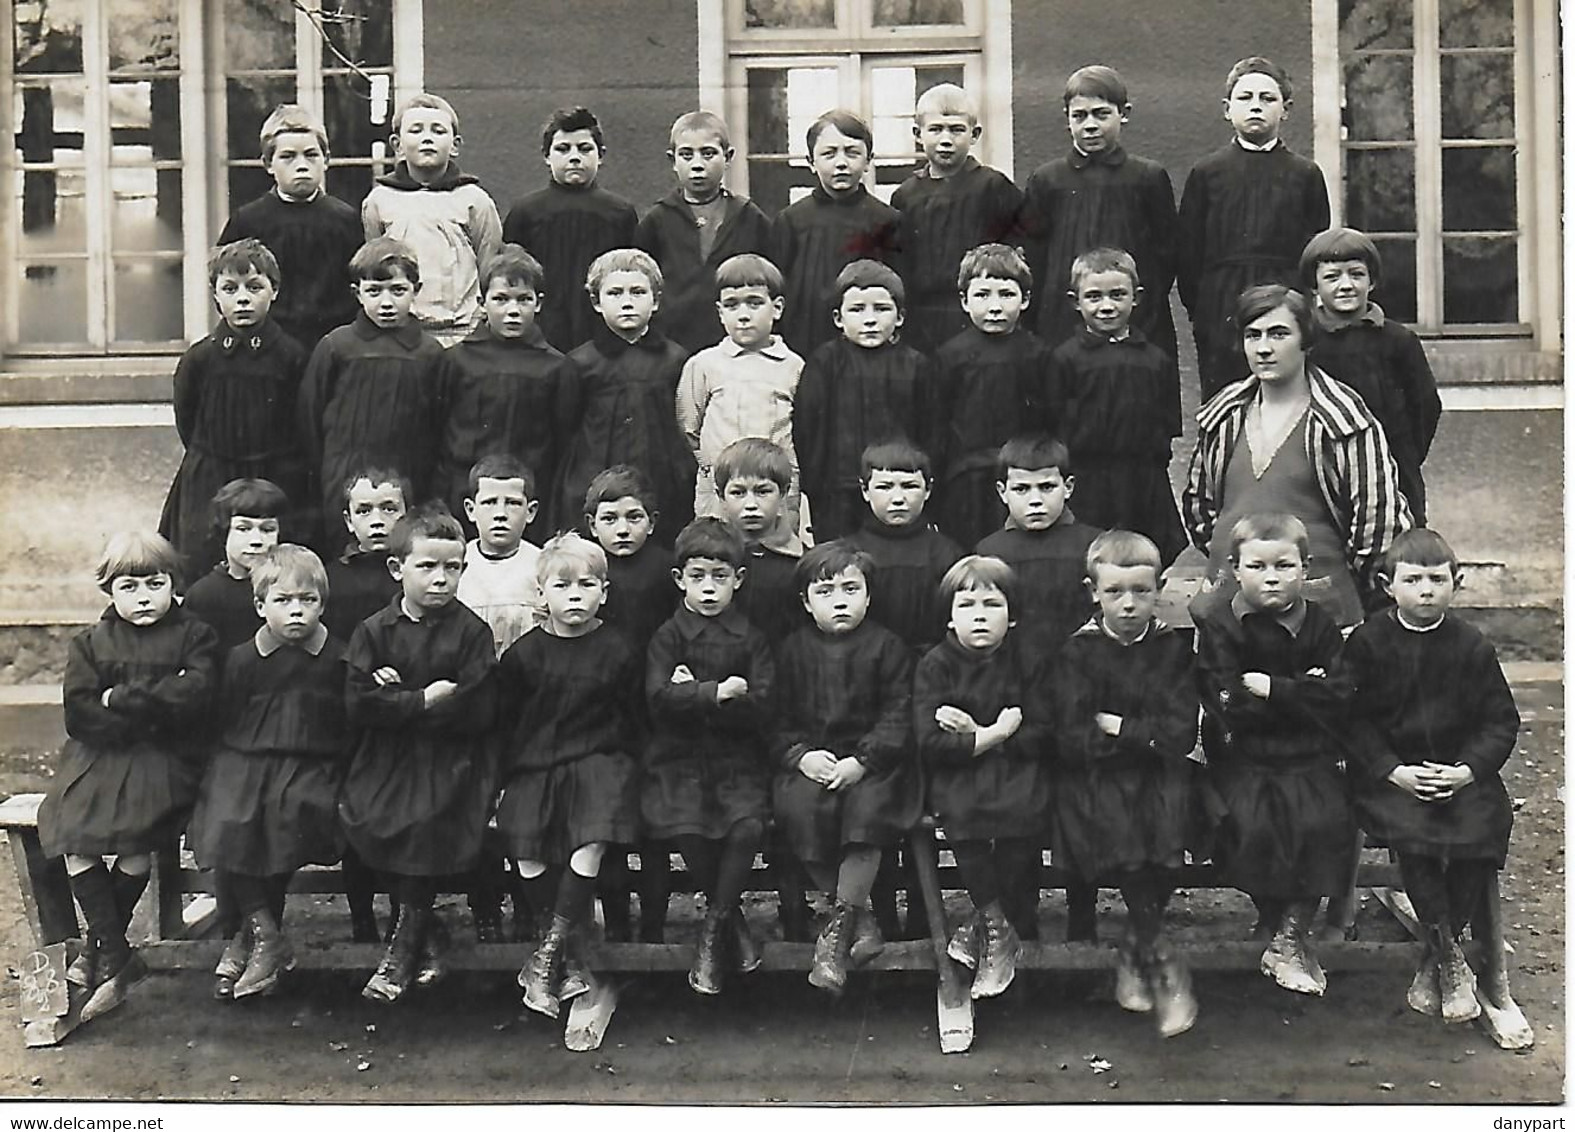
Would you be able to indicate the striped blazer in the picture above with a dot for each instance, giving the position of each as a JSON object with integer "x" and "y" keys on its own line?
{"x": 1349, "y": 454}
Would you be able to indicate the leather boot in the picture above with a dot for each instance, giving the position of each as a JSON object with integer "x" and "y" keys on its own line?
{"x": 1132, "y": 988}
{"x": 430, "y": 967}
{"x": 395, "y": 973}
{"x": 1175, "y": 1007}
{"x": 1423, "y": 996}
{"x": 118, "y": 967}
{"x": 1300, "y": 972}
{"x": 270, "y": 956}
{"x": 576, "y": 975}
{"x": 829, "y": 971}
{"x": 867, "y": 942}
{"x": 998, "y": 953}
{"x": 84, "y": 967}
{"x": 746, "y": 956}
{"x": 705, "y": 973}
{"x": 963, "y": 947}
{"x": 1457, "y": 983}
{"x": 1279, "y": 949}
{"x": 543, "y": 970}
{"x": 232, "y": 962}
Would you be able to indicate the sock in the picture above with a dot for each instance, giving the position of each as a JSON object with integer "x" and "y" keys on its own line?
{"x": 250, "y": 893}
{"x": 702, "y": 857}
{"x": 856, "y": 874}
{"x": 976, "y": 866}
{"x": 128, "y": 889}
{"x": 738, "y": 858}
{"x": 574, "y": 897}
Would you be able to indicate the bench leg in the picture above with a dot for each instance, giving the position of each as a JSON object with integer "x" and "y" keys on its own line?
{"x": 46, "y": 893}
{"x": 953, "y": 1006}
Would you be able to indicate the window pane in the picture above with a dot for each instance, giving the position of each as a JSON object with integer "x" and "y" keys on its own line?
{"x": 894, "y": 91}
{"x": 143, "y": 34}
{"x": 147, "y": 210}
{"x": 1476, "y": 23}
{"x": 258, "y": 37}
{"x": 49, "y": 121}
{"x": 1378, "y": 98}
{"x": 52, "y": 303}
{"x": 348, "y": 117}
{"x": 247, "y": 182}
{"x": 352, "y": 182}
{"x": 790, "y": 14}
{"x": 1481, "y": 281}
{"x": 1367, "y": 24}
{"x": 48, "y": 37}
{"x": 1478, "y": 96}
{"x": 1380, "y": 190}
{"x": 1479, "y": 190}
{"x": 363, "y": 30}
{"x": 773, "y": 185}
{"x": 148, "y": 301}
{"x": 249, "y": 99}
{"x": 54, "y": 211}
{"x": 917, "y": 13}
{"x": 144, "y": 121}
{"x": 783, "y": 103}
{"x": 1397, "y": 291}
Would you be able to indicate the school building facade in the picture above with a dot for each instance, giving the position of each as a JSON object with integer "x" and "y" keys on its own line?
{"x": 135, "y": 133}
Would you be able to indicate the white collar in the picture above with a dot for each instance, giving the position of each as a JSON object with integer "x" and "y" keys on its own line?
{"x": 1404, "y": 624}
{"x": 1251, "y": 148}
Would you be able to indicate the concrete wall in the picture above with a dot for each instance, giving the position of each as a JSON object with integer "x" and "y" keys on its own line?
{"x": 507, "y": 64}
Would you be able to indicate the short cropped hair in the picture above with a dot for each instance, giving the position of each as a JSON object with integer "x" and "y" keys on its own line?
{"x": 898, "y": 454}
{"x": 997, "y": 261}
{"x": 756, "y": 457}
{"x": 1030, "y": 453}
{"x": 242, "y": 257}
{"x": 1269, "y": 526}
{"x": 570, "y": 120}
{"x": 946, "y": 98}
{"x": 978, "y": 572}
{"x": 429, "y": 102}
{"x": 500, "y": 466}
{"x": 137, "y": 554}
{"x": 1095, "y": 81}
{"x": 376, "y": 476}
{"x": 749, "y": 270}
{"x": 1335, "y": 244}
{"x": 612, "y": 484}
{"x": 709, "y": 538}
{"x": 622, "y": 259}
{"x": 1122, "y": 549}
{"x": 430, "y": 520}
{"x": 289, "y": 118}
{"x": 289, "y": 565}
{"x": 1258, "y": 65}
{"x": 1099, "y": 260}
{"x": 1255, "y": 302}
{"x": 829, "y": 559}
{"x": 253, "y": 498}
{"x": 699, "y": 121}
{"x": 868, "y": 273}
{"x": 848, "y": 124}
{"x": 1419, "y": 546}
{"x": 382, "y": 257}
{"x": 512, "y": 264}
{"x": 570, "y": 553}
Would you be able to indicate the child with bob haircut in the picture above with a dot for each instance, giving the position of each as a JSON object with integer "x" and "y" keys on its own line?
{"x": 705, "y": 779}
{"x": 983, "y": 723}
{"x": 697, "y": 227}
{"x": 1380, "y": 358}
{"x": 570, "y": 222}
{"x": 312, "y": 232}
{"x": 952, "y": 203}
{"x": 371, "y": 393}
{"x": 235, "y": 394}
{"x": 863, "y": 387}
{"x": 420, "y": 695}
{"x": 267, "y": 803}
{"x": 137, "y": 686}
{"x": 245, "y": 516}
{"x": 847, "y": 783}
{"x": 839, "y": 222}
{"x": 569, "y": 777}
{"x": 441, "y": 212}
{"x": 1435, "y": 723}
{"x": 1275, "y": 697}
{"x": 616, "y": 393}
{"x": 1125, "y": 800}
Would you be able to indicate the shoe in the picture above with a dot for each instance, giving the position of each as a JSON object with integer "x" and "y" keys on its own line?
{"x": 1300, "y": 971}
{"x": 270, "y": 956}
{"x": 398, "y": 967}
{"x": 964, "y": 944}
{"x": 83, "y": 970}
{"x": 232, "y": 963}
{"x": 829, "y": 971}
{"x": 430, "y": 967}
{"x": 1132, "y": 988}
{"x": 867, "y": 942}
{"x": 998, "y": 952}
{"x": 119, "y": 972}
{"x": 1457, "y": 983}
{"x": 1277, "y": 952}
{"x": 542, "y": 971}
{"x": 705, "y": 973}
{"x": 746, "y": 956}
{"x": 1423, "y": 996}
{"x": 1175, "y": 1006}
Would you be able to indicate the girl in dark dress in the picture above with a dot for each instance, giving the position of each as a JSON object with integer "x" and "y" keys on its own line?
{"x": 136, "y": 686}
{"x": 246, "y": 516}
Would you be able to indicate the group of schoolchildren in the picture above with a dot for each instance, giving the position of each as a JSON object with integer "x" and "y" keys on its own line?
{"x": 772, "y": 639}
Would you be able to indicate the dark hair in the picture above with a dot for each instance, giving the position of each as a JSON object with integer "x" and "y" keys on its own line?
{"x": 997, "y": 261}
{"x": 847, "y": 123}
{"x": 614, "y": 483}
{"x": 242, "y": 257}
{"x": 1255, "y": 302}
{"x": 1100, "y": 260}
{"x": 753, "y": 456}
{"x": 868, "y": 273}
{"x": 512, "y": 264}
{"x": 1038, "y": 450}
{"x": 897, "y": 454}
{"x": 1258, "y": 65}
{"x": 827, "y": 561}
{"x": 1420, "y": 547}
{"x": 383, "y": 256}
{"x": 376, "y": 476}
{"x": 978, "y": 572}
{"x": 1269, "y": 526}
{"x": 1335, "y": 244}
{"x": 749, "y": 270}
{"x": 709, "y": 537}
{"x": 1122, "y": 549}
{"x": 430, "y": 520}
{"x": 1095, "y": 81}
{"x": 500, "y": 466}
{"x": 569, "y": 120}
{"x": 255, "y": 499}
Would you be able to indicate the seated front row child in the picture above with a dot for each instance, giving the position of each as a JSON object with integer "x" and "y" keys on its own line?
{"x": 982, "y": 717}
{"x": 847, "y": 784}
{"x": 267, "y": 803}
{"x": 499, "y": 582}
{"x": 246, "y": 515}
{"x": 1126, "y": 800}
{"x": 705, "y": 782}
{"x": 1435, "y": 723}
{"x": 137, "y": 686}
{"x": 1275, "y": 696}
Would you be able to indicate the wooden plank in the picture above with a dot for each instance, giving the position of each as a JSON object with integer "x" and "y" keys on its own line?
{"x": 20, "y": 810}
{"x": 45, "y": 891}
